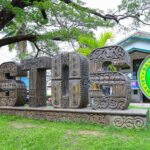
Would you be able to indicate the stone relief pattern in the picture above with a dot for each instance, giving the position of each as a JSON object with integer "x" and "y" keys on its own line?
{"x": 40, "y": 62}
{"x": 119, "y": 83}
{"x": 37, "y": 83}
{"x": 107, "y": 53}
{"x": 13, "y": 68}
{"x": 81, "y": 69}
{"x": 118, "y": 121}
{"x": 64, "y": 97}
{"x": 56, "y": 93}
{"x": 75, "y": 66}
{"x": 56, "y": 67}
{"x": 12, "y": 92}
{"x": 108, "y": 103}
{"x": 54, "y": 115}
{"x": 58, "y": 84}
{"x": 128, "y": 122}
{"x": 115, "y": 54}
{"x": 73, "y": 91}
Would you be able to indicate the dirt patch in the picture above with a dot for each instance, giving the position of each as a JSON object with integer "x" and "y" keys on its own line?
{"x": 86, "y": 132}
{"x": 97, "y": 133}
{"x": 26, "y": 125}
{"x": 101, "y": 134}
{"x": 68, "y": 132}
{"x": 124, "y": 136}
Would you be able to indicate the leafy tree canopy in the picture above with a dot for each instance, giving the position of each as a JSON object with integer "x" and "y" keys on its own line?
{"x": 89, "y": 43}
{"x": 47, "y": 22}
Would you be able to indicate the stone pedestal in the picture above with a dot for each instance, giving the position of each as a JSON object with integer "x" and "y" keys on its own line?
{"x": 129, "y": 118}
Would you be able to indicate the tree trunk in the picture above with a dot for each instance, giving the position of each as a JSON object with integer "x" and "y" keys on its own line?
{"x": 7, "y": 15}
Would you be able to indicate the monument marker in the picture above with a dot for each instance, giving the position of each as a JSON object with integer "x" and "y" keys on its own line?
{"x": 70, "y": 94}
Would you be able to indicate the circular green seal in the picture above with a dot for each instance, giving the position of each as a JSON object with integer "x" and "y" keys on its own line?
{"x": 144, "y": 77}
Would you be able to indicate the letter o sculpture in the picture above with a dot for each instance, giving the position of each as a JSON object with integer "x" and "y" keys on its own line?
{"x": 70, "y": 80}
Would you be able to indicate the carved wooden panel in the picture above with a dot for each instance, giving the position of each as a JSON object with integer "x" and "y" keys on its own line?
{"x": 70, "y": 80}
{"x": 12, "y": 92}
{"x": 113, "y": 88}
{"x": 37, "y": 84}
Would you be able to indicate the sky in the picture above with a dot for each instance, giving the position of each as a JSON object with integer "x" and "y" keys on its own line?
{"x": 102, "y": 4}
{"x": 105, "y": 5}
{"x": 5, "y": 55}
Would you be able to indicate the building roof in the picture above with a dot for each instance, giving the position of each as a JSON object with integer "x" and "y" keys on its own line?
{"x": 138, "y": 41}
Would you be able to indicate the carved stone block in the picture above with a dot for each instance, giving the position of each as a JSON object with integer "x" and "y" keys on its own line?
{"x": 112, "y": 88}
{"x": 114, "y": 54}
{"x": 37, "y": 83}
{"x": 130, "y": 118}
{"x": 12, "y": 92}
{"x": 70, "y": 80}
{"x": 128, "y": 121}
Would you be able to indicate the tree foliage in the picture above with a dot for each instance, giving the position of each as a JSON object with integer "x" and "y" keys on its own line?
{"x": 89, "y": 43}
{"x": 137, "y": 10}
{"x": 49, "y": 22}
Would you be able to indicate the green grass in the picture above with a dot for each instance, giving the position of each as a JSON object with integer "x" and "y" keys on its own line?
{"x": 141, "y": 108}
{"x": 17, "y": 133}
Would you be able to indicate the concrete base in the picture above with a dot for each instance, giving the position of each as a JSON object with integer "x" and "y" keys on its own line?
{"x": 129, "y": 118}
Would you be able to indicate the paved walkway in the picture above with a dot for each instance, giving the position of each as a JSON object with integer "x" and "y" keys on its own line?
{"x": 140, "y": 104}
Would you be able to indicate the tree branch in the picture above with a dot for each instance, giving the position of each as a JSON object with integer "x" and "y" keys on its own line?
{"x": 122, "y": 17}
{"x": 19, "y": 38}
{"x": 7, "y": 15}
{"x": 38, "y": 49}
{"x": 116, "y": 18}
{"x": 107, "y": 16}
{"x": 15, "y": 39}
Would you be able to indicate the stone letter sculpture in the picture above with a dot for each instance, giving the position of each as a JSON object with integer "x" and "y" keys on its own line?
{"x": 70, "y": 80}
{"x": 112, "y": 88}
{"x": 37, "y": 83}
{"x": 12, "y": 92}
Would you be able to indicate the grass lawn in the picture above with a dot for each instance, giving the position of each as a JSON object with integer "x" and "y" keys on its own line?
{"x": 17, "y": 133}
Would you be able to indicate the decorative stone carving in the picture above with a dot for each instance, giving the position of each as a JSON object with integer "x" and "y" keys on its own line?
{"x": 37, "y": 83}
{"x": 136, "y": 118}
{"x": 115, "y": 54}
{"x": 12, "y": 92}
{"x": 128, "y": 122}
{"x": 70, "y": 80}
{"x": 112, "y": 88}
